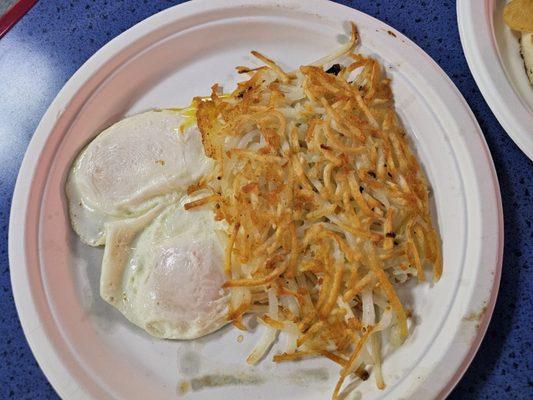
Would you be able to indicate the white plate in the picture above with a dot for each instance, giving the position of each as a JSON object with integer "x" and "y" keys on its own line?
{"x": 86, "y": 348}
{"x": 493, "y": 55}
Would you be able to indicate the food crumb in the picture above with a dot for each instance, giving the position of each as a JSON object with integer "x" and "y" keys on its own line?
{"x": 240, "y": 338}
{"x": 184, "y": 387}
{"x": 391, "y": 33}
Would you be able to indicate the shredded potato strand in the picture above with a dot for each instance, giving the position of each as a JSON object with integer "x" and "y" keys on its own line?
{"x": 325, "y": 205}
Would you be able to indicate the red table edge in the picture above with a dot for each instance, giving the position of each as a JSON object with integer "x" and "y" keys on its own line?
{"x": 13, "y": 14}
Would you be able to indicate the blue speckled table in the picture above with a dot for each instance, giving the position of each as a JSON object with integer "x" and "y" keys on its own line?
{"x": 56, "y": 37}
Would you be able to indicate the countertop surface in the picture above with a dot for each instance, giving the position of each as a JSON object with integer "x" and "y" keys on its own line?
{"x": 56, "y": 37}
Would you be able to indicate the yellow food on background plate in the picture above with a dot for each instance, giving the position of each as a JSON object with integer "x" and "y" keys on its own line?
{"x": 518, "y": 15}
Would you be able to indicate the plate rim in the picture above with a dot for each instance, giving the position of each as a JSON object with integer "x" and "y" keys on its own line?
{"x": 490, "y": 77}
{"x": 54, "y": 369}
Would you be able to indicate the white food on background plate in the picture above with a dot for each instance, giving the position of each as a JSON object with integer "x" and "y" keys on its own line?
{"x": 526, "y": 50}
{"x": 129, "y": 168}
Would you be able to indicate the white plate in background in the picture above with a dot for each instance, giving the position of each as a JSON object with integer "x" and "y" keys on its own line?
{"x": 493, "y": 55}
{"x": 88, "y": 350}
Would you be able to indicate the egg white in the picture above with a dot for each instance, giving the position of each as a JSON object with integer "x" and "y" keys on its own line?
{"x": 131, "y": 167}
{"x": 163, "y": 271}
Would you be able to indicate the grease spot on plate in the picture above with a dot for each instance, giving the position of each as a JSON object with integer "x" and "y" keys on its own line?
{"x": 218, "y": 380}
{"x": 476, "y": 316}
{"x": 189, "y": 363}
{"x": 304, "y": 377}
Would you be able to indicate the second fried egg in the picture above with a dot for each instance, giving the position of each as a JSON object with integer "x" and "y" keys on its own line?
{"x": 164, "y": 272}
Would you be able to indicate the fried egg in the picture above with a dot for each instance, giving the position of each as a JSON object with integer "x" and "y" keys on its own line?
{"x": 164, "y": 271}
{"x": 131, "y": 167}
